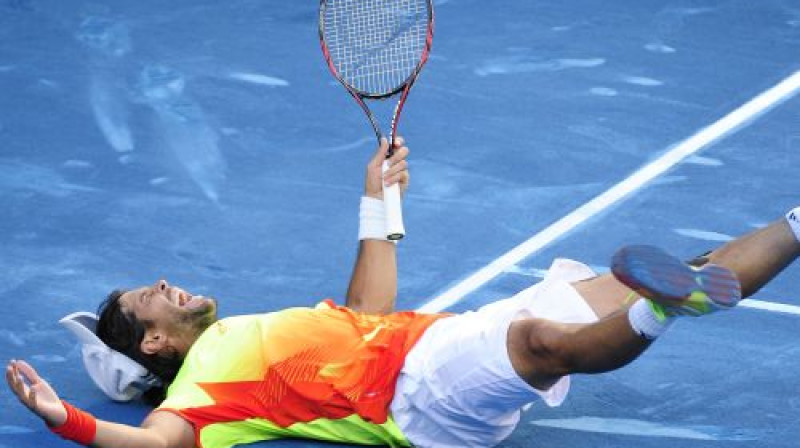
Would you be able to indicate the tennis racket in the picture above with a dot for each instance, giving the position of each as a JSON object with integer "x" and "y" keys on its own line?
{"x": 376, "y": 49}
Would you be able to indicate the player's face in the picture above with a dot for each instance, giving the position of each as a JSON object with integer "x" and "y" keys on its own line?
{"x": 170, "y": 310}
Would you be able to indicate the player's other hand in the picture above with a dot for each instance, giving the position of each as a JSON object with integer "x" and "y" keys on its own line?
{"x": 35, "y": 393}
{"x": 396, "y": 174}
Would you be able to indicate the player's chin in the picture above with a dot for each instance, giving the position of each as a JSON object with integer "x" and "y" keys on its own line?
{"x": 209, "y": 306}
{"x": 199, "y": 307}
{"x": 202, "y": 315}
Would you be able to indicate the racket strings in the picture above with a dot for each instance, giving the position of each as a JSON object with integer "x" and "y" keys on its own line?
{"x": 376, "y": 45}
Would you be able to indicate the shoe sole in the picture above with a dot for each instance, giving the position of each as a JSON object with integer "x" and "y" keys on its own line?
{"x": 655, "y": 274}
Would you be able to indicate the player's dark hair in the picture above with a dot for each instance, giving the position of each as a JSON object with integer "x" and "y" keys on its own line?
{"x": 124, "y": 333}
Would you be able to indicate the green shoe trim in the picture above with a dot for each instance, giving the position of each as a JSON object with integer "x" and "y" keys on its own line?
{"x": 698, "y": 300}
{"x": 630, "y": 298}
{"x": 658, "y": 311}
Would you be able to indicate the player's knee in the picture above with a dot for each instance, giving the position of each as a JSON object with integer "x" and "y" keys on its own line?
{"x": 544, "y": 349}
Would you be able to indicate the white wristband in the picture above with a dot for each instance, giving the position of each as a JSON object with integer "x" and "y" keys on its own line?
{"x": 372, "y": 219}
{"x": 793, "y": 217}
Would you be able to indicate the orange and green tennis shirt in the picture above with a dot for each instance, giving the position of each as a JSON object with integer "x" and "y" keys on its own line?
{"x": 325, "y": 373}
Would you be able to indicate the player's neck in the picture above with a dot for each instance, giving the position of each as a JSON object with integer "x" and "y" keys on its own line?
{"x": 183, "y": 339}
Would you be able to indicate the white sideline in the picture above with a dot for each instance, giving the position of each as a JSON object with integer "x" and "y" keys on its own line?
{"x": 770, "y": 306}
{"x": 704, "y": 137}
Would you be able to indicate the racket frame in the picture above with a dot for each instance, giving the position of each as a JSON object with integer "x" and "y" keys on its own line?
{"x": 391, "y": 195}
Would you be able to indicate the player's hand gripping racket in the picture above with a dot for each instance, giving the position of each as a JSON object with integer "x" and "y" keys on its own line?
{"x": 376, "y": 49}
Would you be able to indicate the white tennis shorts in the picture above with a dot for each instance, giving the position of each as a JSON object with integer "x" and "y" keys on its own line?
{"x": 457, "y": 387}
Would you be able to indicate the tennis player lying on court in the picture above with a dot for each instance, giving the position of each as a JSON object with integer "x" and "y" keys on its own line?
{"x": 363, "y": 374}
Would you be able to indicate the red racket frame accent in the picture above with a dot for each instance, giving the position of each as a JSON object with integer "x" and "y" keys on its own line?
{"x": 359, "y": 96}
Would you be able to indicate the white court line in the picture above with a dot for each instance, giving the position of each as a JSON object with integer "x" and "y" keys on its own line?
{"x": 705, "y": 137}
{"x": 770, "y": 306}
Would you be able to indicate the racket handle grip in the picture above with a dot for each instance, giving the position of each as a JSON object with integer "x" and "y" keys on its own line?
{"x": 394, "y": 209}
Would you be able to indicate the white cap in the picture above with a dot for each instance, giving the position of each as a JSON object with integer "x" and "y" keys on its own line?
{"x": 117, "y": 375}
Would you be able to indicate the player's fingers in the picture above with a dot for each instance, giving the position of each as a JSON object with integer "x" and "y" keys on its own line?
{"x": 380, "y": 154}
{"x": 396, "y": 173}
{"x": 403, "y": 179}
{"x": 18, "y": 381}
{"x": 23, "y": 371}
{"x": 29, "y": 372}
{"x": 10, "y": 377}
{"x": 396, "y": 168}
{"x": 31, "y": 402}
{"x": 398, "y": 141}
{"x": 399, "y": 154}
{"x": 15, "y": 381}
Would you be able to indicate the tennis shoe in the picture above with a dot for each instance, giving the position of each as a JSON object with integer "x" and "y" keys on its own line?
{"x": 673, "y": 287}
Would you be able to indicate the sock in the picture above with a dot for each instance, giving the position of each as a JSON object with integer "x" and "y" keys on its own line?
{"x": 645, "y": 322}
{"x": 793, "y": 217}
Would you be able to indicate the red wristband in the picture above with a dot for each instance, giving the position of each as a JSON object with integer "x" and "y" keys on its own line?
{"x": 80, "y": 426}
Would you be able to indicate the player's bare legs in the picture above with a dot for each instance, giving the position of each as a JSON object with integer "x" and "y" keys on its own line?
{"x": 758, "y": 257}
{"x": 542, "y": 351}
{"x": 755, "y": 258}
{"x": 604, "y": 294}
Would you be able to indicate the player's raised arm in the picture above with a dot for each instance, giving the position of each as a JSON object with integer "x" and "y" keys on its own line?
{"x": 373, "y": 285}
{"x": 159, "y": 430}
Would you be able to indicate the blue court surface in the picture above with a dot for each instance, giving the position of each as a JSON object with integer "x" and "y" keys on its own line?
{"x": 205, "y": 142}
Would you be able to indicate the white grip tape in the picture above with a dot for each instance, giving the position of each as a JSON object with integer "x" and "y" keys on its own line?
{"x": 394, "y": 211}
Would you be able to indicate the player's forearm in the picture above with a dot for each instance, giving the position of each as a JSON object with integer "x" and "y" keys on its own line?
{"x": 115, "y": 435}
{"x": 373, "y": 286}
